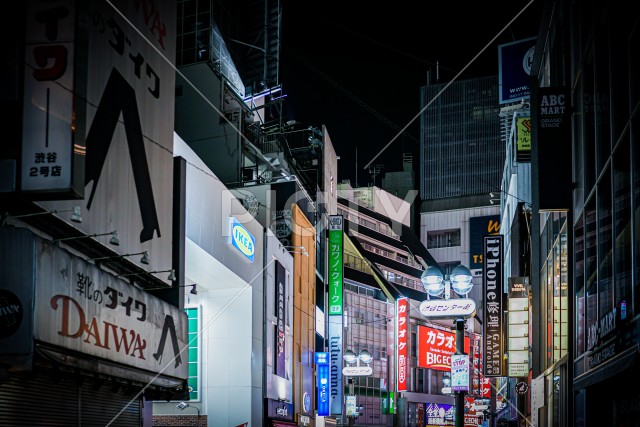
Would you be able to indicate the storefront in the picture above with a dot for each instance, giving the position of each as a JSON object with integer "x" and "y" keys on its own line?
{"x": 78, "y": 342}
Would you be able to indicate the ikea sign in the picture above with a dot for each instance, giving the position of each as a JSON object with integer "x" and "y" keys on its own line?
{"x": 243, "y": 240}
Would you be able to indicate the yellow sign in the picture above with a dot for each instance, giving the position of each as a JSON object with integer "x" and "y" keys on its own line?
{"x": 523, "y": 134}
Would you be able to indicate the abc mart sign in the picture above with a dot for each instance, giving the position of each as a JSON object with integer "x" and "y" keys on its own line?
{"x": 448, "y": 308}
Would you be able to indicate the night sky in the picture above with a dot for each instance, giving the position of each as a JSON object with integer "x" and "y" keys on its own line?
{"x": 357, "y": 68}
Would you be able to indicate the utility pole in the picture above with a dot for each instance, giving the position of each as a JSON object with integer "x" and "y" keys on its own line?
{"x": 460, "y": 394}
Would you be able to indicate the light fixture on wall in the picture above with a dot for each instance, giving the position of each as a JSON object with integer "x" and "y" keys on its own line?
{"x": 114, "y": 237}
{"x": 75, "y": 214}
{"x": 291, "y": 249}
{"x": 143, "y": 260}
{"x": 193, "y": 290}
{"x": 184, "y": 405}
{"x": 171, "y": 277}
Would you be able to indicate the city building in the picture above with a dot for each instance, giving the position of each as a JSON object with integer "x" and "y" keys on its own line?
{"x": 234, "y": 271}
{"x": 92, "y": 301}
{"x": 383, "y": 263}
{"x": 585, "y": 204}
{"x": 461, "y": 165}
{"x": 228, "y": 112}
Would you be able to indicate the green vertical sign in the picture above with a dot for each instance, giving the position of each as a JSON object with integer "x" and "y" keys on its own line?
{"x": 389, "y": 404}
{"x": 336, "y": 248}
{"x": 194, "y": 353}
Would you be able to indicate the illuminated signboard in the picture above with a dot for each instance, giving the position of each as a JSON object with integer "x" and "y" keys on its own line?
{"x": 440, "y": 414}
{"x": 493, "y": 326}
{"x": 243, "y": 240}
{"x": 460, "y": 372}
{"x": 322, "y": 360}
{"x": 448, "y": 308}
{"x": 435, "y": 348}
{"x": 335, "y": 265}
{"x": 403, "y": 317}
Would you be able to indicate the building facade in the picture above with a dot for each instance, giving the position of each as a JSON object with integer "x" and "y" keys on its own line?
{"x": 585, "y": 65}
{"x": 93, "y": 320}
{"x": 383, "y": 262}
{"x": 462, "y": 161}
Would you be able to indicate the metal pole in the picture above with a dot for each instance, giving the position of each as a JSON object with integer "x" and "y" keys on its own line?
{"x": 460, "y": 394}
{"x": 351, "y": 419}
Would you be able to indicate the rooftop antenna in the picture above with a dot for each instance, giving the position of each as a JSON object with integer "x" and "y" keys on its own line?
{"x": 437, "y": 71}
{"x": 374, "y": 171}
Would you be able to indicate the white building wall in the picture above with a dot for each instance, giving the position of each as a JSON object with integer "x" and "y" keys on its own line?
{"x": 451, "y": 220}
{"x": 230, "y": 300}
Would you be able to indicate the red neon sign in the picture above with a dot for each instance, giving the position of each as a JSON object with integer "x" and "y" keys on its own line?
{"x": 435, "y": 348}
{"x": 403, "y": 324}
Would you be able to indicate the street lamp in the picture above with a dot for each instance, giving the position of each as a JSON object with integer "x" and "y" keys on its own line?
{"x": 434, "y": 284}
{"x": 350, "y": 371}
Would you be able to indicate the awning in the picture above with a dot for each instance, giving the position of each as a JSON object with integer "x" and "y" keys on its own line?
{"x": 283, "y": 424}
{"x": 618, "y": 364}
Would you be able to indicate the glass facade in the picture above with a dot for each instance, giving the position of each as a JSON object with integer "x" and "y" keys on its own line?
{"x": 461, "y": 153}
{"x": 367, "y": 325}
{"x": 591, "y": 253}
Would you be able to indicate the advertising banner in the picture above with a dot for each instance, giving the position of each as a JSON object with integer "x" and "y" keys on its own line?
{"x": 335, "y": 266}
{"x": 435, "y": 348}
{"x": 480, "y": 226}
{"x": 460, "y": 372}
{"x": 523, "y": 139}
{"x": 402, "y": 307}
{"x": 493, "y": 327}
{"x": 440, "y": 414}
{"x": 514, "y": 69}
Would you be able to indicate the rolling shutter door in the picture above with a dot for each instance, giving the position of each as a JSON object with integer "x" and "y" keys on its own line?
{"x": 38, "y": 400}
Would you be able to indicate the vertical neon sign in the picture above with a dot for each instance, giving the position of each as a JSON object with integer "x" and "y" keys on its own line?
{"x": 322, "y": 360}
{"x": 402, "y": 316}
{"x": 335, "y": 265}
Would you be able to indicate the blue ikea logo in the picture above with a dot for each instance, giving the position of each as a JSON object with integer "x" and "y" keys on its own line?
{"x": 243, "y": 240}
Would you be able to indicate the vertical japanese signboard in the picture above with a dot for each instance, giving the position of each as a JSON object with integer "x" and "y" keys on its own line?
{"x": 493, "y": 325}
{"x": 334, "y": 272}
{"x": 49, "y": 162}
{"x": 518, "y": 327}
{"x": 523, "y": 139}
{"x": 322, "y": 360}
{"x": 280, "y": 310}
{"x": 335, "y": 265}
{"x": 402, "y": 316}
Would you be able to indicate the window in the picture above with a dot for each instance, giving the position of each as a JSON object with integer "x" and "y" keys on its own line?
{"x": 443, "y": 239}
